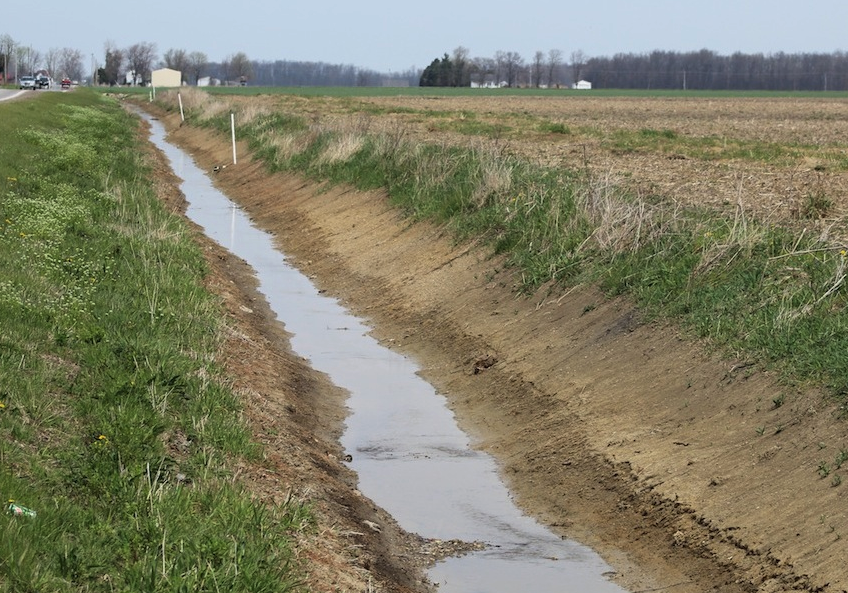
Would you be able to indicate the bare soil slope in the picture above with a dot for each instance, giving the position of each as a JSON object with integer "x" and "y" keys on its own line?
{"x": 677, "y": 466}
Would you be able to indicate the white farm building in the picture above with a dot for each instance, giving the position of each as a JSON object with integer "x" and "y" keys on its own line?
{"x": 165, "y": 77}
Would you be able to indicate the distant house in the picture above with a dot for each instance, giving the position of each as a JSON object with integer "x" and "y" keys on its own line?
{"x": 582, "y": 85}
{"x": 165, "y": 77}
{"x": 133, "y": 79}
{"x": 489, "y": 83}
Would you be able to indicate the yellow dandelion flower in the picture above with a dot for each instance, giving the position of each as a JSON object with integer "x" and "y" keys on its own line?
{"x": 843, "y": 253}
{"x": 2, "y": 405}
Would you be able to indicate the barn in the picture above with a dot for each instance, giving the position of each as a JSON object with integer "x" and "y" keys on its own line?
{"x": 165, "y": 77}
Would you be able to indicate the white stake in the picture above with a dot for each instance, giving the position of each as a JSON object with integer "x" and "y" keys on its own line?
{"x": 180, "y": 99}
{"x": 233, "y": 128}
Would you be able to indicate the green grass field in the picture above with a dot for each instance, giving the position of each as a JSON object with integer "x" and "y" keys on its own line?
{"x": 117, "y": 428}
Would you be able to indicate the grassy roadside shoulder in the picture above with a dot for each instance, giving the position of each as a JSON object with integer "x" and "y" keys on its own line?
{"x": 756, "y": 292}
{"x": 117, "y": 427}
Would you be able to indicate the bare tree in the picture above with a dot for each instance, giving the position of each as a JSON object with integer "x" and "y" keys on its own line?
{"x": 70, "y": 63}
{"x": 536, "y": 69}
{"x": 140, "y": 58}
{"x": 237, "y": 67}
{"x": 197, "y": 64}
{"x": 51, "y": 61}
{"x": 112, "y": 64}
{"x": 512, "y": 63}
{"x": 27, "y": 60}
{"x": 461, "y": 67}
{"x": 7, "y": 48}
{"x": 554, "y": 62}
{"x": 500, "y": 68}
{"x": 177, "y": 59}
{"x": 482, "y": 69}
{"x": 578, "y": 61}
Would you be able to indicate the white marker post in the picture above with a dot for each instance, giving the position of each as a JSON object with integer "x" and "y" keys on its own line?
{"x": 180, "y": 99}
{"x": 233, "y": 128}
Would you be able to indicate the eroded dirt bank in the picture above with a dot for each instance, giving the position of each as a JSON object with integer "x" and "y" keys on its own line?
{"x": 678, "y": 467}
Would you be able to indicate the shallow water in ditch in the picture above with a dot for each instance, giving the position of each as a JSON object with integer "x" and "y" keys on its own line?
{"x": 409, "y": 454}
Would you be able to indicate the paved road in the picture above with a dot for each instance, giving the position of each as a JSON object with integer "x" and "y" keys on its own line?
{"x": 6, "y": 94}
{"x": 11, "y": 93}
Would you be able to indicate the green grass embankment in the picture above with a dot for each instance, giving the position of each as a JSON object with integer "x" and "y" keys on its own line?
{"x": 116, "y": 425}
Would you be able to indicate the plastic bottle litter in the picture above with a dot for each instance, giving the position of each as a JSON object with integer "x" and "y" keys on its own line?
{"x": 20, "y": 511}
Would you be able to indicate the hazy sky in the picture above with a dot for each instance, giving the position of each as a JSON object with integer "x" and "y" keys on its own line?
{"x": 395, "y": 35}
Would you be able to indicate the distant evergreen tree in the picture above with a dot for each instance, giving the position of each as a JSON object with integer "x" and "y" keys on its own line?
{"x": 446, "y": 77}
{"x": 429, "y": 76}
{"x": 441, "y": 72}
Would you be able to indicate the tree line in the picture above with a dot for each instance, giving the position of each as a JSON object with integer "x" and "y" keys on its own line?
{"x": 504, "y": 69}
{"x": 697, "y": 70}
{"x": 17, "y": 60}
{"x": 132, "y": 65}
{"x": 300, "y": 73}
{"x": 707, "y": 70}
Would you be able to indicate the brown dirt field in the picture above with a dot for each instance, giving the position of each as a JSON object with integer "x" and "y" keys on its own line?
{"x": 675, "y": 465}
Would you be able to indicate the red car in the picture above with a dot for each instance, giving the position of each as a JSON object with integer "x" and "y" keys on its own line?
{"x": 66, "y": 83}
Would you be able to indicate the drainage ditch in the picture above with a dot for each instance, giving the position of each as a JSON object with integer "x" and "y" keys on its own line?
{"x": 407, "y": 450}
